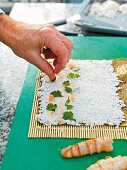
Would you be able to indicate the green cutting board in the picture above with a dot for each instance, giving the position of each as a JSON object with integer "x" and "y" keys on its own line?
{"x": 44, "y": 154}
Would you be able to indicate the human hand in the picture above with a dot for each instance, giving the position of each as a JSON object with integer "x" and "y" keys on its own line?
{"x": 30, "y": 41}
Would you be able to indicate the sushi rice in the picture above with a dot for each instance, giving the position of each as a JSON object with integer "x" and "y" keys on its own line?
{"x": 95, "y": 99}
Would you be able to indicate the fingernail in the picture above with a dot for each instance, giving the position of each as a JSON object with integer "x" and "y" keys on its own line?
{"x": 54, "y": 79}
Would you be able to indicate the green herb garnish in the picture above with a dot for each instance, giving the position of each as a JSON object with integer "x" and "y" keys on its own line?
{"x": 68, "y": 89}
{"x": 56, "y": 93}
{"x": 68, "y": 116}
{"x": 73, "y": 75}
{"x": 51, "y": 107}
{"x": 67, "y": 102}
{"x": 69, "y": 107}
{"x": 66, "y": 83}
{"x": 76, "y": 69}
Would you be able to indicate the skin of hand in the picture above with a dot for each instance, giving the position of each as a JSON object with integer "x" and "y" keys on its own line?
{"x": 31, "y": 41}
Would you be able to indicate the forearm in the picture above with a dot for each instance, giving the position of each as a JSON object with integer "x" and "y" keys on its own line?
{"x": 7, "y": 29}
{"x": 13, "y": 32}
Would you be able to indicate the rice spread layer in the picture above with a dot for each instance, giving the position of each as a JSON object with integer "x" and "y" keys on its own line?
{"x": 85, "y": 92}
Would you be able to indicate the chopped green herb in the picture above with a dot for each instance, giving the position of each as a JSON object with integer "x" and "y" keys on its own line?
{"x": 51, "y": 107}
{"x": 69, "y": 107}
{"x": 68, "y": 89}
{"x": 74, "y": 120}
{"x": 67, "y": 102}
{"x": 73, "y": 75}
{"x": 56, "y": 93}
{"x": 68, "y": 116}
{"x": 66, "y": 83}
{"x": 76, "y": 69}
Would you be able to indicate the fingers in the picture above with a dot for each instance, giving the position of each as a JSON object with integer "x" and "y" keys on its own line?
{"x": 56, "y": 43}
{"x": 59, "y": 49}
{"x": 55, "y": 62}
{"x": 48, "y": 54}
{"x": 43, "y": 65}
{"x": 66, "y": 42}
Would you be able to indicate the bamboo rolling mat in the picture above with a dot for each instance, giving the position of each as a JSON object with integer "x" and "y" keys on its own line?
{"x": 38, "y": 130}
